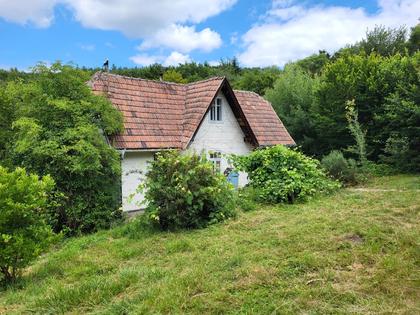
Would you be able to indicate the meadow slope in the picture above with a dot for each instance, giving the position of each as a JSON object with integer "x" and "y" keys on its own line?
{"x": 355, "y": 252}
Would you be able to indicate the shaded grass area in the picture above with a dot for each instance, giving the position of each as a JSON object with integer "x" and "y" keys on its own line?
{"x": 349, "y": 253}
{"x": 400, "y": 182}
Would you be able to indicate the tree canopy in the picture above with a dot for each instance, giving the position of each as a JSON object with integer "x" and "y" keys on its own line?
{"x": 54, "y": 125}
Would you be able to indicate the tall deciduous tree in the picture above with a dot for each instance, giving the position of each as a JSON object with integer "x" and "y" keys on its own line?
{"x": 293, "y": 97}
{"x": 413, "y": 43}
{"x": 56, "y": 126}
{"x": 381, "y": 40}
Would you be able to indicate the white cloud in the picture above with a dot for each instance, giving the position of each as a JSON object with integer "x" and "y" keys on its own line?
{"x": 291, "y": 32}
{"x": 159, "y": 22}
{"x": 176, "y": 58}
{"x": 136, "y": 18}
{"x": 214, "y": 63}
{"x": 234, "y": 38}
{"x": 87, "y": 47}
{"x": 145, "y": 59}
{"x": 143, "y": 18}
{"x": 38, "y": 12}
{"x": 184, "y": 39}
{"x": 173, "y": 59}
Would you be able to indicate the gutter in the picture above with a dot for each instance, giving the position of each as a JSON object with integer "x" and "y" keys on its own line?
{"x": 123, "y": 151}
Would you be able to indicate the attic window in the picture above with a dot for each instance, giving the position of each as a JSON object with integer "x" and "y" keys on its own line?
{"x": 216, "y": 110}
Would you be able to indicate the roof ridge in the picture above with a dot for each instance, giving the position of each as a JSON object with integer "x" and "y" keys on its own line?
{"x": 137, "y": 79}
{"x": 206, "y": 80}
{"x": 100, "y": 73}
{"x": 250, "y": 92}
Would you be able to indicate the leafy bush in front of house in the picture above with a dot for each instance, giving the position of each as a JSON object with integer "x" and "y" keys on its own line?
{"x": 24, "y": 232}
{"x": 54, "y": 124}
{"x": 284, "y": 175}
{"x": 183, "y": 191}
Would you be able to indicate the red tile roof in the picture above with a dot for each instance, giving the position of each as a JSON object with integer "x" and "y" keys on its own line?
{"x": 159, "y": 115}
{"x": 264, "y": 122}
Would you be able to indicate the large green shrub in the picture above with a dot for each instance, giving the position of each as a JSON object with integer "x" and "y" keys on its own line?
{"x": 24, "y": 233}
{"x": 281, "y": 174}
{"x": 182, "y": 191}
{"x": 55, "y": 125}
{"x": 345, "y": 170}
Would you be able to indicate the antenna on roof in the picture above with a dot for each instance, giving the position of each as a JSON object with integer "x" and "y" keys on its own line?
{"x": 105, "y": 66}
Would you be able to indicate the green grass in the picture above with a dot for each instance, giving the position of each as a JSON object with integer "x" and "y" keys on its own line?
{"x": 401, "y": 182}
{"x": 355, "y": 252}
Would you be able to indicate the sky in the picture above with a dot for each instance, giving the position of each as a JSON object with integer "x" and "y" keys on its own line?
{"x": 132, "y": 33}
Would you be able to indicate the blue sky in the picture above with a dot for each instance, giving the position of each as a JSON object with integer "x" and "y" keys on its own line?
{"x": 141, "y": 32}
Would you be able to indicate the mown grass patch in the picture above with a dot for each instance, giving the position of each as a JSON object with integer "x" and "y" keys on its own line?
{"x": 355, "y": 252}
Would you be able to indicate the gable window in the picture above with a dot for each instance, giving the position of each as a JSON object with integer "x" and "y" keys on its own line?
{"x": 216, "y": 110}
{"x": 215, "y": 158}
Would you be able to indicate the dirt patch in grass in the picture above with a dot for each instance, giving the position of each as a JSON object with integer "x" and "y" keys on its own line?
{"x": 353, "y": 238}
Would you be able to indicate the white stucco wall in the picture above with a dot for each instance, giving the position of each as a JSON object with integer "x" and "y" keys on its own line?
{"x": 225, "y": 136}
{"x": 133, "y": 168}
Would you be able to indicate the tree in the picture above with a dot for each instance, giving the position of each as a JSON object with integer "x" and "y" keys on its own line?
{"x": 400, "y": 130}
{"x": 257, "y": 80}
{"x": 356, "y": 131}
{"x": 24, "y": 233}
{"x": 381, "y": 40}
{"x": 413, "y": 43}
{"x": 293, "y": 97}
{"x": 57, "y": 127}
{"x": 172, "y": 75}
{"x": 314, "y": 63}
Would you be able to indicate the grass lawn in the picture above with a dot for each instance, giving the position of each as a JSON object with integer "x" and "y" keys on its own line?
{"x": 355, "y": 252}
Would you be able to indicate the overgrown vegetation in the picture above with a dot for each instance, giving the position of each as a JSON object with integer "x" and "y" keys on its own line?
{"x": 352, "y": 252}
{"x": 54, "y": 125}
{"x": 50, "y": 123}
{"x": 183, "y": 191}
{"x": 24, "y": 231}
{"x": 283, "y": 175}
{"x": 383, "y": 80}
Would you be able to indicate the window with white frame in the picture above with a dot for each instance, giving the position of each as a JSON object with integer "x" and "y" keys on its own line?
{"x": 216, "y": 158}
{"x": 216, "y": 110}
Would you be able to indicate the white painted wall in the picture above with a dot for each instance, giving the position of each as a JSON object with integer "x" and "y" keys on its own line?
{"x": 225, "y": 136}
{"x": 133, "y": 169}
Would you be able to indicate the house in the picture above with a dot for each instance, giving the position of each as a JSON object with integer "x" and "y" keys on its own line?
{"x": 206, "y": 116}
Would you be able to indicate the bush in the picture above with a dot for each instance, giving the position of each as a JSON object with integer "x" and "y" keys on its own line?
{"x": 182, "y": 191}
{"x": 281, "y": 174}
{"x": 24, "y": 233}
{"x": 372, "y": 169}
{"x": 345, "y": 170}
{"x": 397, "y": 153}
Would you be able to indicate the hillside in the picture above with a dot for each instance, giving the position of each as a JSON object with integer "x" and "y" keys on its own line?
{"x": 353, "y": 252}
